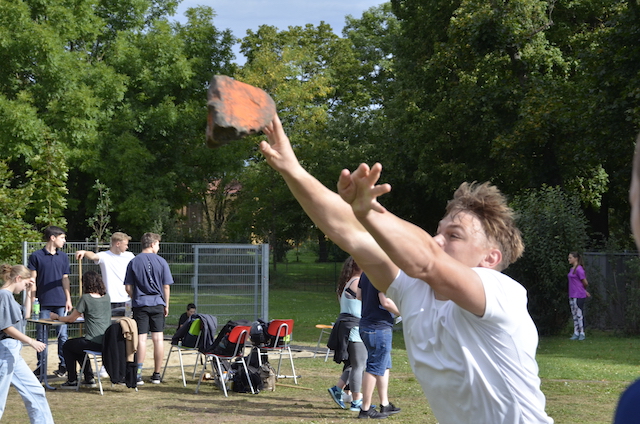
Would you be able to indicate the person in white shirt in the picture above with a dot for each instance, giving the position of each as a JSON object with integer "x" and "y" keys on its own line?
{"x": 470, "y": 340}
{"x": 113, "y": 266}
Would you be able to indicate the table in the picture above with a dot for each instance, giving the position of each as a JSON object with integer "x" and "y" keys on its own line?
{"x": 324, "y": 329}
{"x": 46, "y": 323}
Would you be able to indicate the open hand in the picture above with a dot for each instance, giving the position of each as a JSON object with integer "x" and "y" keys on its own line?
{"x": 359, "y": 188}
{"x": 277, "y": 150}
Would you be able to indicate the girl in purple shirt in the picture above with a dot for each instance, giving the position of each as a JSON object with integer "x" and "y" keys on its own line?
{"x": 577, "y": 294}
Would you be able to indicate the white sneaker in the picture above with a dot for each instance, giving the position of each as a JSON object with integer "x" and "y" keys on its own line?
{"x": 103, "y": 373}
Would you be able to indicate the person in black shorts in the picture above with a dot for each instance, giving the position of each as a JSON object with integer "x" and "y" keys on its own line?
{"x": 148, "y": 282}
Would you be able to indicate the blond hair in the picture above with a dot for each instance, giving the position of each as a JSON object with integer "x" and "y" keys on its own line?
{"x": 9, "y": 273}
{"x": 489, "y": 205}
{"x": 119, "y": 236}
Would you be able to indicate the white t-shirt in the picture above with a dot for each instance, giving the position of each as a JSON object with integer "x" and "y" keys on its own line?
{"x": 114, "y": 268}
{"x": 479, "y": 370}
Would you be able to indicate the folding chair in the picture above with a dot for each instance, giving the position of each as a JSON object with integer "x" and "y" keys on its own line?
{"x": 187, "y": 346}
{"x": 239, "y": 337}
{"x": 280, "y": 331}
{"x": 94, "y": 354}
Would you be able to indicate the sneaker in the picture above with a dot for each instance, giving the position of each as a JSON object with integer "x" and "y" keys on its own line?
{"x": 372, "y": 413}
{"x": 581, "y": 337}
{"x": 574, "y": 337}
{"x": 336, "y": 395}
{"x": 389, "y": 409}
{"x": 155, "y": 378}
{"x": 355, "y": 405}
{"x": 139, "y": 381}
{"x": 89, "y": 383}
{"x": 103, "y": 373}
{"x": 60, "y": 372}
{"x": 69, "y": 385}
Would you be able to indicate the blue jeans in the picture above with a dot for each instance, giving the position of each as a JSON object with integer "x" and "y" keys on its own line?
{"x": 14, "y": 370}
{"x": 378, "y": 344}
{"x": 45, "y": 312}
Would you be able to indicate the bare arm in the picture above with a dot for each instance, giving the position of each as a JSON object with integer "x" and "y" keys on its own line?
{"x": 326, "y": 209}
{"x": 14, "y": 333}
{"x": 72, "y": 317}
{"x": 388, "y": 304}
{"x": 167, "y": 294}
{"x": 66, "y": 286}
{"x": 92, "y": 256}
{"x": 411, "y": 248}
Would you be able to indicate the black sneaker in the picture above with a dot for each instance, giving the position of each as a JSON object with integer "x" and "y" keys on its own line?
{"x": 155, "y": 378}
{"x": 69, "y": 385}
{"x": 60, "y": 372}
{"x": 372, "y": 413}
{"x": 389, "y": 409}
{"x": 89, "y": 383}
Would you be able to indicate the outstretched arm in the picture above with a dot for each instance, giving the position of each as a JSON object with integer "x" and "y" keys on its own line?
{"x": 326, "y": 209}
{"x": 409, "y": 247}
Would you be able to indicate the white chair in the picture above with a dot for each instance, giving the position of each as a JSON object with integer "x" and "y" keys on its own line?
{"x": 187, "y": 346}
{"x": 94, "y": 354}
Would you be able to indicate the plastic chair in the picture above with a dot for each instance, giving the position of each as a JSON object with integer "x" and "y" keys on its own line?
{"x": 94, "y": 355}
{"x": 238, "y": 336}
{"x": 280, "y": 331}
{"x": 187, "y": 346}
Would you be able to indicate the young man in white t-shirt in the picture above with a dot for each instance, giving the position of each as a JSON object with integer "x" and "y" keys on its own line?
{"x": 469, "y": 337}
{"x": 113, "y": 266}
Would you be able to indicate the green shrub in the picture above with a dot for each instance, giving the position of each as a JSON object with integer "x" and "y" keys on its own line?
{"x": 552, "y": 225}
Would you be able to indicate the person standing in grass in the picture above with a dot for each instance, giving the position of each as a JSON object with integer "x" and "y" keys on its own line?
{"x": 113, "y": 266}
{"x": 148, "y": 282}
{"x": 50, "y": 268}
{"x": 13, "y": 369}
{"x": 470, "y": 340}
{"x": 347, "y": 329}
{"x": 577, "y": 294}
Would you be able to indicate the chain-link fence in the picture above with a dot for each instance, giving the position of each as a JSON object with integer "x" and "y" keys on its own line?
{"x": 229, "y": 281}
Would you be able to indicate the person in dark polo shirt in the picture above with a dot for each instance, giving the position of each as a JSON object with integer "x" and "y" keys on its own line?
{"x": 50, "y": 267}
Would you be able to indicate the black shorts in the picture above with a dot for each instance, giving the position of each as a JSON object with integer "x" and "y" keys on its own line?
{"x": 149, "y": 318}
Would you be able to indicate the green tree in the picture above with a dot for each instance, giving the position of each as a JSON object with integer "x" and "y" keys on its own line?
{"x": 552, "y": 225}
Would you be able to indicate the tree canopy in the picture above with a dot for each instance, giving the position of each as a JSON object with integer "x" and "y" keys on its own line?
{"x": 526, "y": 94}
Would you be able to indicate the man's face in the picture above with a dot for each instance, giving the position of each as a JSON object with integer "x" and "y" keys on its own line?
{"x": 59, "y": 241}
{"x": 463, "y": 238}
{"x": 122, "y": 246}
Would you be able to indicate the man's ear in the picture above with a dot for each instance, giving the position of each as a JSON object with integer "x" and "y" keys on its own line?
{"x": 492, "y": 259}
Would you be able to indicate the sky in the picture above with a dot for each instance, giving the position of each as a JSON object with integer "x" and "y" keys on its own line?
{"x": 240, "y": 15}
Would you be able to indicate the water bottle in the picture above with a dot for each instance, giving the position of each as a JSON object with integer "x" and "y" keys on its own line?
{"x": 36, "y": 309}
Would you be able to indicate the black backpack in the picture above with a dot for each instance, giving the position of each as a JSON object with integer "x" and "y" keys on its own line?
{"x": 258, "y": 333}
{"x": 240, "y": 383}
{"x": 221, "y": 345}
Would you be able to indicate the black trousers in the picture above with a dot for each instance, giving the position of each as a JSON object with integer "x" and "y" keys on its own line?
{"x": 73, "y": 352}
